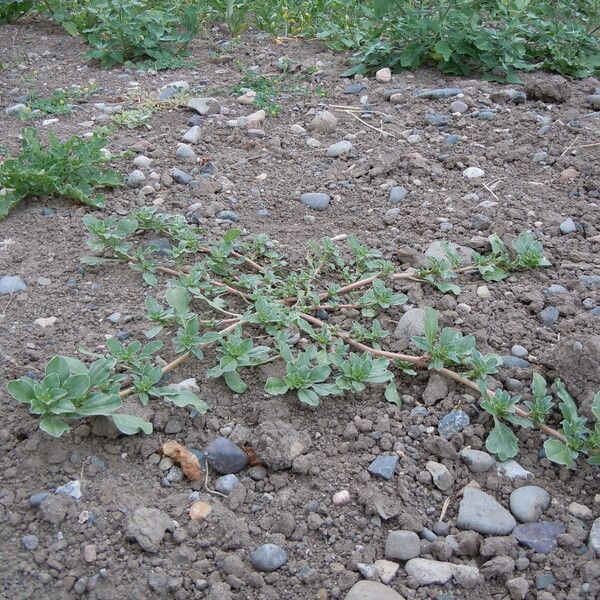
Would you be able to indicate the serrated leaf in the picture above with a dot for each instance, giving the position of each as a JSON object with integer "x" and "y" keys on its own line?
{"x": 392, "y": 395}
{"x": 502, "y": 441}
{"x": 559, "y": 453}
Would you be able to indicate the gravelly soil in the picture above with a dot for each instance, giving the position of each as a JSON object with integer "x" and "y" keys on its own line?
{"x": 294, "y": 508}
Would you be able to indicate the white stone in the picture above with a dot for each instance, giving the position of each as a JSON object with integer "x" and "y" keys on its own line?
{"x": 473, "y": 172}
{"x": 46, "y": 321}
{"x": 383, "y": 75}
{"x": 341, "y": 498}
{"x": 428, "y": 572}
{"x": 387, "y": 570}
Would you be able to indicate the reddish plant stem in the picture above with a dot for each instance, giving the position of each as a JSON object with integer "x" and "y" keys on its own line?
{"x": 421, "y": 361}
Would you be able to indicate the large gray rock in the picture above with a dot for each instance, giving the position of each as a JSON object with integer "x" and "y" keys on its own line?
{"x": 315, "y": 200}
{"x": 480, "y": 512}
{"x": 372, "y": 590}
{"x": 324, "y": 122}
{"x": 594, "y": 539}
{"x": 205, "y": 106}
{"x": 402, "y": 545}
{"x": 268, "y": 558}
{"x": 477, "y": 460}
{"x": 528, "y": 503}
{"x": 147, "y": 527}
{"x": 411, "y": 323}
{"x": 278, "y": 444}
{"x": 428, "y": 572}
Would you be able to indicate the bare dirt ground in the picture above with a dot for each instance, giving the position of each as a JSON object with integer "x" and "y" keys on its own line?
{"x": 42, "y": 241}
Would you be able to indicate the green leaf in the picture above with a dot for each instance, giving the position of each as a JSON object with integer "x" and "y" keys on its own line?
{"x": 559, "y": 453}
{"x": 276, "y": 386}
{"x": 596, "y": 406}
{"x": 502, "y": 441}
{"x": 100, "y": 405}
{"x": 95, "y": 260}
{"x": 431, "y": 324}
{"x": 179, "y": 299}
{"x": 153, "y": 331}
{"x": 100, "y": 370}
{"x": 392, "y": 395}
{"x": 59, "y": 366}
{"x": 444, "y": 49}
{"x": 53, "y": 426}
{"x": 184, "y": 398}
{"x": 150, "y": 278}
{"x": 234, "y": 381}
{"x": 308, "y": 397}
{"x": 231, "y": 235}
{"x": 76, "y": 386}
{"x": 21, "y": 390}
{"x": 130, "y": 424}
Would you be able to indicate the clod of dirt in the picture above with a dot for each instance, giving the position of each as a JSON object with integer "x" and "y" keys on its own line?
{"x": 549, "y": 89}
{"x": 147, "y": 527}
{"x": 575, "y": 360}
{"x": 279, "y": 444}
{"x": 187, "y": 460}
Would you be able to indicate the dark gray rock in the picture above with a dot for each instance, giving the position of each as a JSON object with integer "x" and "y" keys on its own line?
{"x": 437, "y": 120}
{"x": 180, "y": 176}
{"x": 225, "y": 457}
{"x": 228, "y": 215}
{"x": 36, "y": 499}
{"x": 355, "y": 88}
{"x": 515, "y": 362}
{"x": 555, "y": 289}
{"x": 383, "y": 466}
{"x": 268, "y": 558}
{"x": 454, "y": 422}
{"x": 541, "y": 537}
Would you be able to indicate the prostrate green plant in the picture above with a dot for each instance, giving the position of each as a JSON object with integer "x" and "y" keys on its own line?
{"x": 59, "y": 103}
{"x": 239, "y": 295}
{"x": 72, "y": 169}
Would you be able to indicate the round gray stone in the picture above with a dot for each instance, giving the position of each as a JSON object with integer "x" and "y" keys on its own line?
{"x": 315, "y": 200}
{"x": 527, "y": 503}
{"x": 268, "y": 558}
{"x": 482, "y": 513}
{"x": 402, "y": 545}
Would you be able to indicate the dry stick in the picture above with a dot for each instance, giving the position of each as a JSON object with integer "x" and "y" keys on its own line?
{"x": 379, "y": 130}
{"x": 421, "y": 361}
